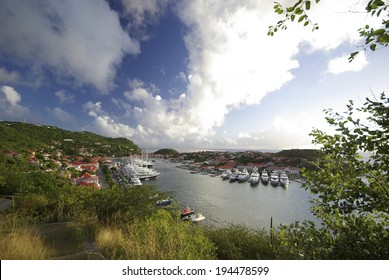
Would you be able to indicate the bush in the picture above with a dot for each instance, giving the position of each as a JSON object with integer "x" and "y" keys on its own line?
{"x": 159, "y": 237}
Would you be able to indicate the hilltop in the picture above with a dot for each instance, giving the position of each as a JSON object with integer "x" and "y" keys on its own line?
{"x": 22, "y": 137}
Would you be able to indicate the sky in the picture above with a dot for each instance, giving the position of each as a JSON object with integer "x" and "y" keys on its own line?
{"x": 184, "y": 74}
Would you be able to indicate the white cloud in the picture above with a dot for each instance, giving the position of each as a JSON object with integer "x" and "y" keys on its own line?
{"x": 10, "y": 106}
{"x": 341, "y": 64}
{"x": 163, "y": 118}
{"x": 233, "y": 63}
{"x": 62, "y": 115}
{"x": 244, "y": 135}
{"x": 11, "y": 95}
{"x": 9, "y": 77}
{"x": 82, "y": 41}
{"x": 64, "y": 96}
{"x": 104, "y": 124}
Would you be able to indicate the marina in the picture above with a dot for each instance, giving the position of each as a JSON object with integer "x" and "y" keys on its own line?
{"x": 223, "y": 201}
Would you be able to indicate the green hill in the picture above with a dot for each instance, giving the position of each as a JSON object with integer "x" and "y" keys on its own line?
{"x": 166, "y": 152}
{"x": 21, "y": 137}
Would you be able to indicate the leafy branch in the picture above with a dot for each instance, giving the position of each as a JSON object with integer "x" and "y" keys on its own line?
{"x": 373, "y": 37}
{"x": 296, "y": 12}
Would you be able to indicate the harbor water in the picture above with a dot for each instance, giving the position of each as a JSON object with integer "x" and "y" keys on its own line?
{"x": 223, "y": 202}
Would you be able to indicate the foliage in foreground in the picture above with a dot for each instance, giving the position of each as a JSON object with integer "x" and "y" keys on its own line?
{"x": 240, "y": 242}
{"x": 374, "y": 37}
{"x": 159, "y": 237}
{"x": 21, "y": 242}
{"x": 351, "y": 186}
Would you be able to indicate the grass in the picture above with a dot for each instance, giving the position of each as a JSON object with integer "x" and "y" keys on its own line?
{"x": 45, "y": 241}
{"x": 159, "y": 237}
{"x": 18, "y": 242}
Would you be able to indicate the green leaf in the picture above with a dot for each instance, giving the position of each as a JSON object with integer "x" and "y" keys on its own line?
{"x": 301, "y": 18}
{"x": 379, "y": 31}
{"x": 373, "y": 47}
{"x": 290, "y": 9}
{"x": 298, "y": 11}
{"x": 307, "y": 5}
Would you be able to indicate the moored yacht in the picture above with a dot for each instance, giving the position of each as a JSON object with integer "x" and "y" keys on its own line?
{"x": 225, "y": 174}
{"x": 274, "y": 180}
{"x": 144, "y": 170}
{"x": 264, "y": 176}
{"x": 233, "y": 176}
{"x": 244, "y": 175}
{"x": 254, "y": 178}
{"x": 284, "y": 180}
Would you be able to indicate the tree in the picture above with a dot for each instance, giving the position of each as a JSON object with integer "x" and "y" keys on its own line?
{"x": 351, "y": 188}
{"x": 373, "y": 37}
{"x": 351, "y": 179}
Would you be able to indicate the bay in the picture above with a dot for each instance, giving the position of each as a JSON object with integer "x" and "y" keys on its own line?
{"x": 223, "y": 202}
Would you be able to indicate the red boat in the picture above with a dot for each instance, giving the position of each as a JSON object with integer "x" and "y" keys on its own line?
{"x": 186, "y": 212}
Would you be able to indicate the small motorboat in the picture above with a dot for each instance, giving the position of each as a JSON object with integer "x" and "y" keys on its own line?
{"x": 164, "y": 202}
{"x": 186, "y": 212}
{"x": 197, "y": 217}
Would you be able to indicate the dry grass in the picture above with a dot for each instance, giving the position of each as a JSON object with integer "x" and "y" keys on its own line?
{"x": 157, "y": 238}
{"x": 21, "y": 243}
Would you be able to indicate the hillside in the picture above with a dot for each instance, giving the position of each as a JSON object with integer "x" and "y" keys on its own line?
{"x": 21, "y": 137}
{"x": 309, "y": 154}
{"x": 166, "y": 152}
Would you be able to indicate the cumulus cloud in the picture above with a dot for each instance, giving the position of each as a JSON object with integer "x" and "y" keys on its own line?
{"x": 81, "y": 41}
{"x": 163, "y": 118}
{"x": 105, "y": 124}
{"x": 233, "y": 63}
{"x": 10, "y": 106}
{"x": 340, "y": 64}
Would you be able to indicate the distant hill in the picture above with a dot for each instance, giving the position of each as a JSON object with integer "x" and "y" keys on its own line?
{"x": 166, "y": 152}
{"x": 310, "y": 154}
{"x": 21, "y": 137}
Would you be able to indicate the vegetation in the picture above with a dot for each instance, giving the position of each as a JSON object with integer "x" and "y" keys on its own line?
{"x": 172, "y": 152}
{"x": 52, "y": 219}
{"x": 159, "y": 237}
{"x": 373, "y": 37}
{"x": 21, "y": 137}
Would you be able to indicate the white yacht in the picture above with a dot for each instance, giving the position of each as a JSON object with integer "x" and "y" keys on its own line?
{"x": 233, "y": 176}
{"x": 244, "y": 175}
{"x": 284, "y": 180}
{"x": 135, "y": 181}
{"x": 264, "y": 176}
{"x": 274, "y": 179}
{"x": 143, "y": 169}
{"x": 254, "y": 178}
{"x": 225, "y": 174}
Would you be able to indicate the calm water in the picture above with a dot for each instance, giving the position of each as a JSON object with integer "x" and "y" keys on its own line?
{"x": 223, "y": 202}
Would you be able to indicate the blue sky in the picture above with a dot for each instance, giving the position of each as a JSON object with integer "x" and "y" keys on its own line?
{"x": 183, "y": 74}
